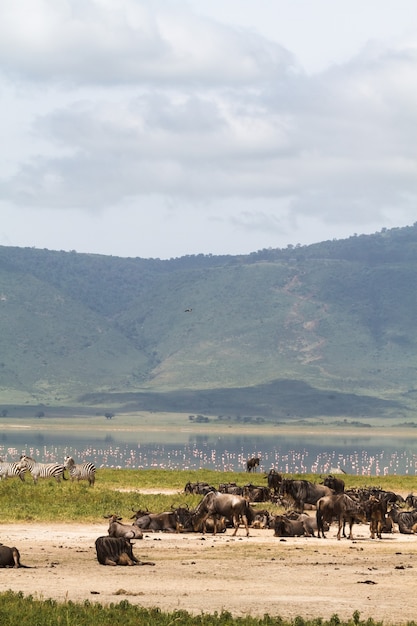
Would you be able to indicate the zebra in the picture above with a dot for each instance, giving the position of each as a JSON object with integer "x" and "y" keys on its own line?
{"x": 41, "y": 470}
{"x": 85, "y": 471}
{"x": 11, "y": 469}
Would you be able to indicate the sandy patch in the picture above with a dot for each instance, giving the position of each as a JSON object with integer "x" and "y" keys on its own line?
{"x": 256, "y": 575}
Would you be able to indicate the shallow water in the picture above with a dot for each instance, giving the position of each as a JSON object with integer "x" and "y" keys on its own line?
{"x": 360, "y": 455}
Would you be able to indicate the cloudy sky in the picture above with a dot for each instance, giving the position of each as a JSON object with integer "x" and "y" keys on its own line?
{"x": 160, "y": 128}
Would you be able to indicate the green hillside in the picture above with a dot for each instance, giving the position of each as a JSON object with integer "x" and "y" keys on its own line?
{"x": 327, "y": 329}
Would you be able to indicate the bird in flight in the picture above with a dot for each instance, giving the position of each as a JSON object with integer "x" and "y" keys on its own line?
{"x": 187, "y": 310}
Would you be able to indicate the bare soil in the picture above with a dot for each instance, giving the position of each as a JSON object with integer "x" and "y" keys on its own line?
{"x": 251, "y": 575}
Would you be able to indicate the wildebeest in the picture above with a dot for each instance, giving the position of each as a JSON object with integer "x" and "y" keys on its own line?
{"x": 303, "y": 492}
{"x": 117, "y": 529}
{"x": 274, "y": 479}
{"x": 231, "y": 488}
{"x": 303, "y": 525}
{"x": 376, "y": 513}
{"x": 340, "y": 507}
{"x": 411, "y": 501}
{"x": 404, "y": 519}
{"x": 256, "y": 493}
{"x": 336, "y": 484}
{"x": 233, "y": 508}
{"x": 10, "y": 557}
{"x": 156, "y": 522}
{"x": 187, "y": 523}
{"x": 198, "y": 488}
{"x": 252, "y": 464}
{"x": 116, "y": 551}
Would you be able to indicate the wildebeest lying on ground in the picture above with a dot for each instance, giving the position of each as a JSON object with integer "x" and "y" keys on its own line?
{"x": 256, "y": 493}
{"x": 302, "y": 525}
{"x": 216, "y": 504}
{"x": 340, "y": 507}
{"x": 187, "y": 522}
{"x": 199, "y": 488}
{"x": 156, "y": 522}
{"x": 10, "y": 557}
{"x": 117, "y": 529}
{"x": 404, "y": 519}
{"x": 116, "y": 551}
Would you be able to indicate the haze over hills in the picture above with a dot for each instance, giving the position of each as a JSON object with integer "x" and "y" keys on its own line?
{"x": 325, "y": 329}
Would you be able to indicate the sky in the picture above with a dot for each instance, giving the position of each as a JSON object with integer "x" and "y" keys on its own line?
{"x": 164, "y": 128}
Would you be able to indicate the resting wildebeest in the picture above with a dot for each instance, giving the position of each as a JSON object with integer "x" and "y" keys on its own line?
{"x": 233, "y": 508}
{"x": 411, "y": 501}
{"x": 405, "y": 520}
{"x": 252, "y": 464}
{"x": 230, "y": 488}
{"x": 256, "y": 493}
{"x": 198, "y": 488}
{"x": 303, "y": 525}
{"x": 156, "y": 522}
{"x": 10, "y": 557}
{"x": 303, "y": 492}
{"x": 116, "y": 551}
{"x": 117, "y": 529}
{"x": 340, "y": 507}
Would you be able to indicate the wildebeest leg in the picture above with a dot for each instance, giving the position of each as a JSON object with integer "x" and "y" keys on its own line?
{"x": 340, "y": 528}
{"x": 109, "y": 561}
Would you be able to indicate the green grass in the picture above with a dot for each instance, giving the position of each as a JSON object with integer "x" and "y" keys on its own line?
{"x": 119, "y": 491}
{"x": 27, "y": 611}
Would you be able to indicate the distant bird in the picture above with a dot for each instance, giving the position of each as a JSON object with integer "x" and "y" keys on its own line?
{"x": 187, "y": 310}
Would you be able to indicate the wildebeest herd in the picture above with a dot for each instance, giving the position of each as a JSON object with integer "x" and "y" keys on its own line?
{"x": 308, "y": 510}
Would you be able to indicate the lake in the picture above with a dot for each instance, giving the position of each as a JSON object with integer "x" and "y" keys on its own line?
{"x": 313, "y": 453}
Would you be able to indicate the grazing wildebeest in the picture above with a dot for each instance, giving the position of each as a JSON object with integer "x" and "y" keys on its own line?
{"x": 233, "y": 508}
{"x": 156, "y": 522}
{"x": 10, "y": 557}
{"x": 274, "y": 481}
{"x": 303, "y": 525}
{"x": 303, "y": 492}
{"x": 116, "y": 551}
{"x": 252, "y": 464}
{"x": 117, "y": 529}
{"x": 404, "y": 519}
{"x": 340, "y": 507}
{"x": 336, "y": 484}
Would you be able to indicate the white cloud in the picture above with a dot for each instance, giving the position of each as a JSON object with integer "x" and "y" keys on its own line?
{"x": 128, "y": 110}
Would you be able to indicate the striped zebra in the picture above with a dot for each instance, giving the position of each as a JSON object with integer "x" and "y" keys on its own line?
{"x": 11, "y": 469}
{"x": 42, "y": 470}
{"x": 85, "y": 471}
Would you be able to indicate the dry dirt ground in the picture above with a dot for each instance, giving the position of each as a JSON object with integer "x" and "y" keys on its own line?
{"x": 252, "y": 575}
